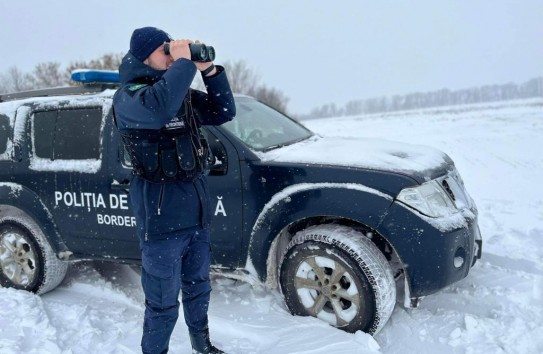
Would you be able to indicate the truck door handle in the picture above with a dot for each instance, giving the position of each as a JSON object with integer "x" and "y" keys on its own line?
{"x": 123, "y": 185}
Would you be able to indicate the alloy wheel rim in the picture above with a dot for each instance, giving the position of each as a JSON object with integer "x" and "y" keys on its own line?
{"x": 327, "y": 290}
{"x": 17, "y": 259}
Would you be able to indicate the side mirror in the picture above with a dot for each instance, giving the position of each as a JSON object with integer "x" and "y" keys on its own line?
{"x": 218, "y": 168}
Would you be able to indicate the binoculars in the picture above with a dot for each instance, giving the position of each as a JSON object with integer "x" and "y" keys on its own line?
{"x": 198, "y": 52}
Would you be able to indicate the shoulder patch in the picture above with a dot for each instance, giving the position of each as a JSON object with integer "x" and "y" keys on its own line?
{"x": 136, "y": 87}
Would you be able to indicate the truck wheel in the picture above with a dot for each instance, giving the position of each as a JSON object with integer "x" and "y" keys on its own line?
{"x": 338, "y": 275}
{"x": 27, "y": 261}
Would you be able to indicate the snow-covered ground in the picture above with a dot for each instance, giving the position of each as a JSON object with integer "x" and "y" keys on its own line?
{"x": 498, "y": 308}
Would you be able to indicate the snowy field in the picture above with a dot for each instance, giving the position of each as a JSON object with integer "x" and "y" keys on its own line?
{"x": 498, "y": 308}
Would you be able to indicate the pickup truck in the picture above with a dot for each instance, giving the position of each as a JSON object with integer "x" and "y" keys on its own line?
{"x": 344, "y": 228}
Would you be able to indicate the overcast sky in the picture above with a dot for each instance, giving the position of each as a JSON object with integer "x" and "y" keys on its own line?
{"x": 314, "y": 51}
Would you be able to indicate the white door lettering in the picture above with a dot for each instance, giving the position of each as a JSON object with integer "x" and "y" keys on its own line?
{"x": 220, "y": 207}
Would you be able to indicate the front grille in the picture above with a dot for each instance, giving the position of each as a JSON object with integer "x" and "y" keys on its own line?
{"x": 454, "y": 187}
{"x": 448, "y": 189}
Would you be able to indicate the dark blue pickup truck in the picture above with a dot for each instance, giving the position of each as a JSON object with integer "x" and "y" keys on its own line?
{"x": 345, "y": 228}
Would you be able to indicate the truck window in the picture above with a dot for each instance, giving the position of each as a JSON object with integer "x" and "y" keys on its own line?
{"x": 72, "y": 134}
{"x": 4, "y": 134}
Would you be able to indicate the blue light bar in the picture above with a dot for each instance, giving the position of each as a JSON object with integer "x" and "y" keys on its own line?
{"x": 95, "y": 76}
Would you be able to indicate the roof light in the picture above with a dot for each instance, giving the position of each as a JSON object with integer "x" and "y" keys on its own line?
{"x": 95, "y": 76}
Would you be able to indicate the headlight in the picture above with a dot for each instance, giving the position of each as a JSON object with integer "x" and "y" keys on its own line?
{"x": 429, "y": 199}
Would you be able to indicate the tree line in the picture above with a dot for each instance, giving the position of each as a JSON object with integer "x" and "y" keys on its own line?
{"x": 243, "y": 79}
{"x": 444, "y": 97}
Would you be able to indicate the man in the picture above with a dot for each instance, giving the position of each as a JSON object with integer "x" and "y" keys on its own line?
{"x": 158, "y": 117}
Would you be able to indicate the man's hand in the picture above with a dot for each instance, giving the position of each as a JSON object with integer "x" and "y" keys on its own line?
{"x": 180, "y": 49}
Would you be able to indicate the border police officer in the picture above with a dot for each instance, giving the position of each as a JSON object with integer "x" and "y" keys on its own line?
{"x": 158, "y": 117}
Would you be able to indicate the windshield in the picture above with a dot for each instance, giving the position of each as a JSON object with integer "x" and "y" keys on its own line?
{"x": 262, "y": 127}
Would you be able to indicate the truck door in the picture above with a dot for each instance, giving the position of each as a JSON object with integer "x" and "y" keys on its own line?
{"x": 226, "y": 201}
{"x": 118, "y": 227}
{"x": 62, "y": 154}
{"x": 117, "y": 222}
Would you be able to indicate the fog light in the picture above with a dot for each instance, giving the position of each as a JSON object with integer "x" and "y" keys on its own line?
{"x": 459, "y": 257}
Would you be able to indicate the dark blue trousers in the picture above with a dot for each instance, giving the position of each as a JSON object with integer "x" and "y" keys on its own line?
{"x": 169, "y": 265}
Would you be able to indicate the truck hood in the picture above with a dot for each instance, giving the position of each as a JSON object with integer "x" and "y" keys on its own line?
{"x": 421, "y": 162}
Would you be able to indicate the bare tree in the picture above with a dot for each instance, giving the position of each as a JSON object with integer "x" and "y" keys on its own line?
{"x": 272, "y": 97}
{"x": 15, "y": 81}
{"x": 244, "y": 80}
{"x": 241, "y": 77}
{"x": 48, "y": 75}
{"x": 3, "y": 84}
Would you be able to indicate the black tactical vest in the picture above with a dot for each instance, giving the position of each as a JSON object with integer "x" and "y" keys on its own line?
{"x": 176, "y": 153}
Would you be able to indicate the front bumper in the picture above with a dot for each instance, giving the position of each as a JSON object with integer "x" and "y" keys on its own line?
{"x": 433, "y": 254}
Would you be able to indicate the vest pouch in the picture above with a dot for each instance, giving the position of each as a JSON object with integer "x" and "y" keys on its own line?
{"x": 149, "y": 156}
{"x": 185, "y": 152}
{"x": 168, "y": 162}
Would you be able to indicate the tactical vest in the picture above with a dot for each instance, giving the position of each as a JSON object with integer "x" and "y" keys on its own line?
{"x": 176, "y": 153}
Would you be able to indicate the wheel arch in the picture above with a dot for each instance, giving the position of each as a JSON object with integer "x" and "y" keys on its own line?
{"x": 19, "y": 201}
{"x": 350, "y": 205}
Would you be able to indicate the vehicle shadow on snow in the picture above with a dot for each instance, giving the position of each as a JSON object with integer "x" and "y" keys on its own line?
{"x": 121, "y": 278}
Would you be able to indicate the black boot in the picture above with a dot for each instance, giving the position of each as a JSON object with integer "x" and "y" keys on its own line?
{"x": 201, "y": 343}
